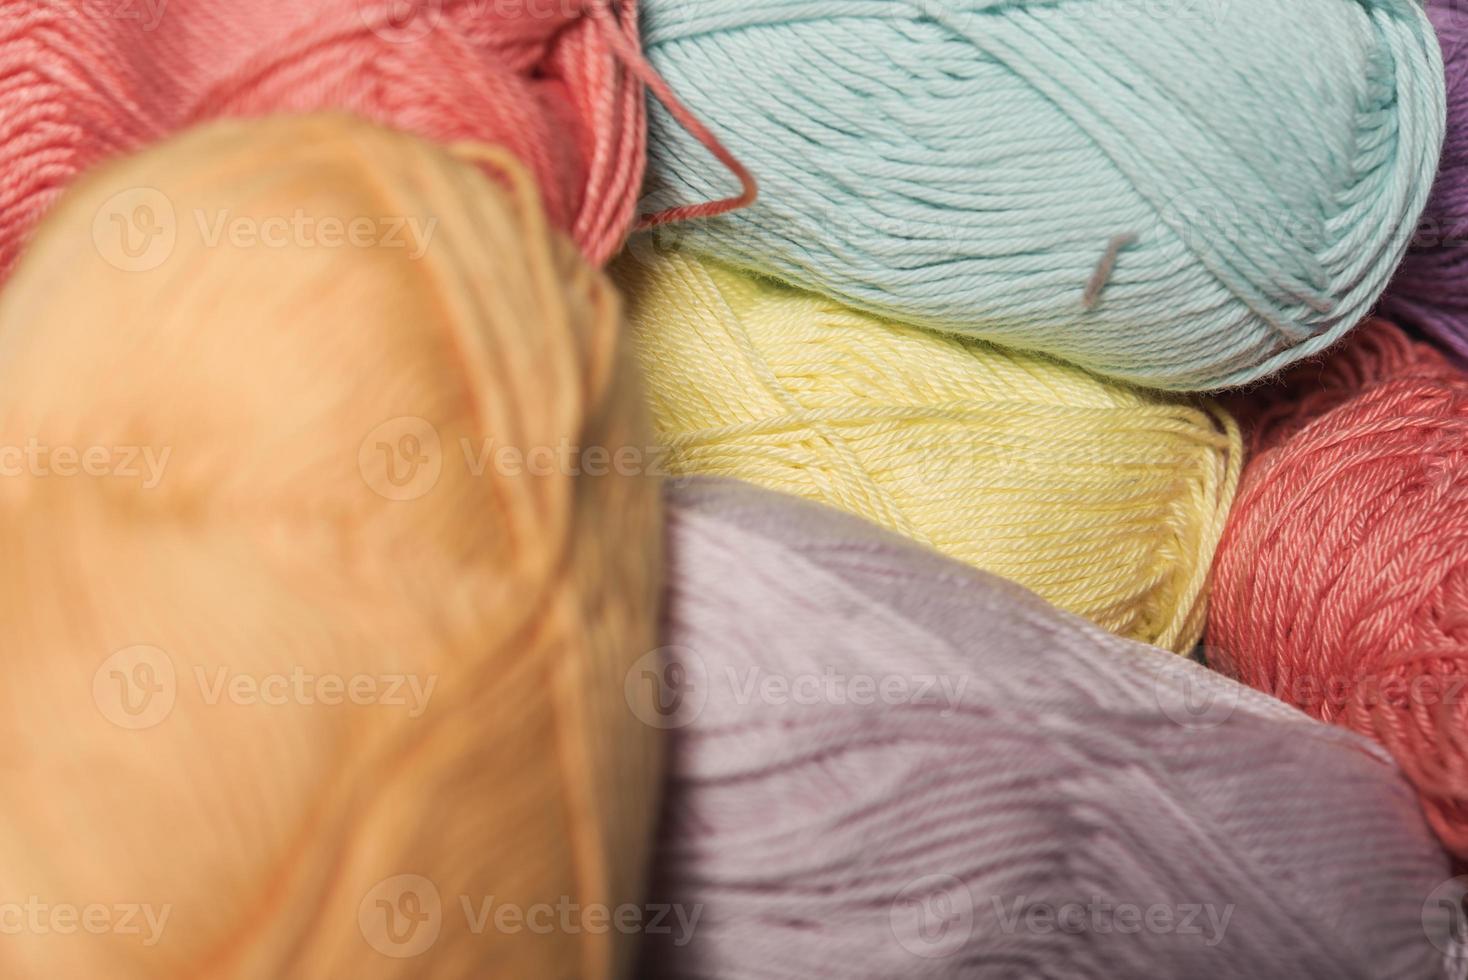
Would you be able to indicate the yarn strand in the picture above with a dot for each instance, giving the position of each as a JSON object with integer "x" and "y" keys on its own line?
{"x": 641, "y": 69}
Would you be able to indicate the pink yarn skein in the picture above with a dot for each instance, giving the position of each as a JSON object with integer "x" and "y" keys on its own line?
{"x": 81, "y": 83}
{"x": 1341, "y": 583}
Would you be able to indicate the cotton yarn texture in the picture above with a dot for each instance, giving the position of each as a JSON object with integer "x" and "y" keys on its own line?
{"x": 1188, "y": 197}
{"x": 1050, "y": 764}
{"x": 1430, "y": 290}
{"x": 1105, "y": 499}
{"x": 315, "y": 518}
{"x": 1342, "y": 583}
{"x": 81, "y": 85}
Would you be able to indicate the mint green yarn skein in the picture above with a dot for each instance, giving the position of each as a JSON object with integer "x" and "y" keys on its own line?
{"x": 1185, "y": 194}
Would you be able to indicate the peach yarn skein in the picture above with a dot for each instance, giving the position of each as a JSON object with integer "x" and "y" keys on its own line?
{"x": 314, "y": 517}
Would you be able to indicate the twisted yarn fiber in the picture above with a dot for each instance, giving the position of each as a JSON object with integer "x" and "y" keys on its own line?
{"x": 84, "y": 82}
{"x": 1342, "y": 580}
{"x": 1105, "y": 499}
{"x": 278, "y": 831}
{"x": 1187, "y": 199}
{"x": 1430, "y": 289}
{"x": 1072, "y": 769}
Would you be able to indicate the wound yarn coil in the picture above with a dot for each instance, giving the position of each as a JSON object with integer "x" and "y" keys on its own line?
{"x": 886, "y": 764}
{"x": 1189, "y": 197}
{"x": 1106, "y": 499}
{"x": 1341, "y": 583}
{"x": 1430, "y": 289}
{"x": 83, "y": 84}
{"x": 320, "y": 680}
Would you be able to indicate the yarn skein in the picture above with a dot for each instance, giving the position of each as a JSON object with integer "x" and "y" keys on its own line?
{"x": 1105, "y": 499}
{"x": 317, "y": 683}
{"x": 1430, "y": 289}
{"x": 1189, "y": 199}
{"x": 1342, "y": 582}
{"x": 549, "y": 81}
{"x": 886, "y": 764}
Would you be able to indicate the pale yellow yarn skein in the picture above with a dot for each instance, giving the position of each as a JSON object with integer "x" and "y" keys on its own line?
{"x": 1105, "y": 499}
{"x": 316, "y": 520}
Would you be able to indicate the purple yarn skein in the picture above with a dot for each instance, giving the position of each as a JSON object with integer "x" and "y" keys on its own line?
{"x": 884, "y": 763}
{"x": 1429, "y": 292}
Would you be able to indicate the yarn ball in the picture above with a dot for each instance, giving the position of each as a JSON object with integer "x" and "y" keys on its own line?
{"x": 311, "y": 687}
{"x": 1184, "y": 195}
{"x": 1107, "y": 500}
{"x": 1342, "y": 579}
{"x": 886, "y": 764}
{"x": 85, "y": 82}
{"x": 1430, "y": 290}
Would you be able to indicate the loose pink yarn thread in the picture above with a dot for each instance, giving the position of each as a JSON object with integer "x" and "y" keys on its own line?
{"x": 559, "y": 82}
{"x": 1341, "y": 584}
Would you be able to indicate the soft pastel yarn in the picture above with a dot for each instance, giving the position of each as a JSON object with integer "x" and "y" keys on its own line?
{"x": 1342, "y": 580}
{"x": 1105, "y": 499}
{"x": 1430, "y": 289}
{"x": 968, "y": 760}
{"x": 1186, "y": 195}
{"x": 316, "y": 516}
{"x": 83, "y": 82}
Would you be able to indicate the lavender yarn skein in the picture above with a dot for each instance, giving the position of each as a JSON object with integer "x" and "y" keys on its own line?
{"x": 938, "y": 831}
{"x": 1430, "y": 289}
